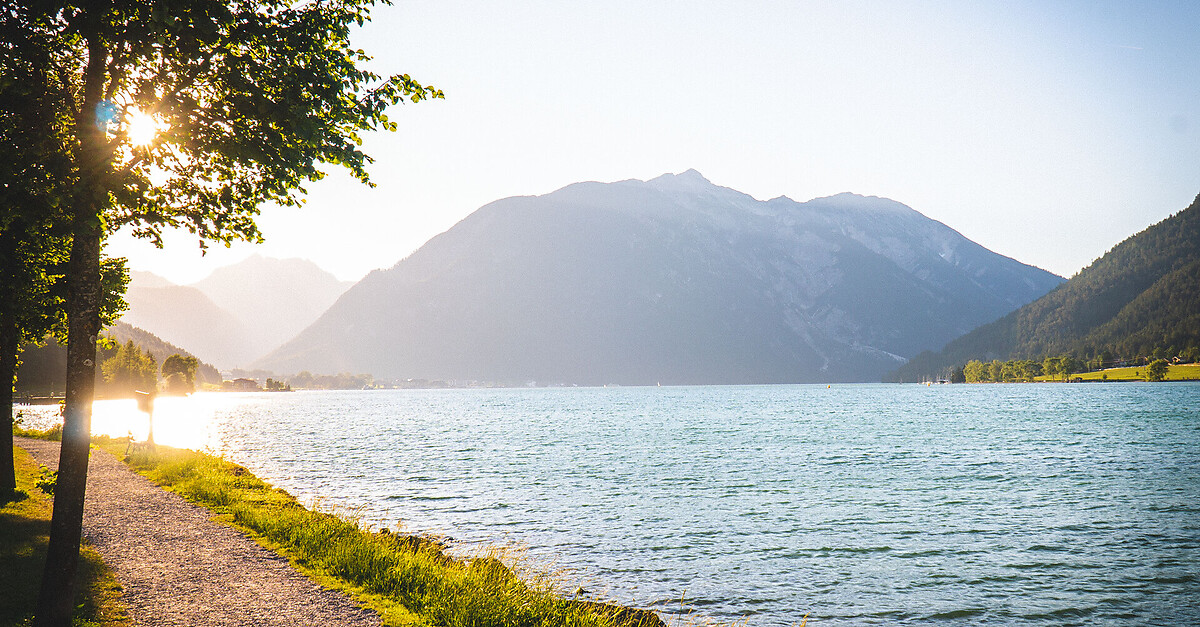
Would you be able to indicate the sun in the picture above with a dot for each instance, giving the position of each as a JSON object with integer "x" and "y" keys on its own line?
{"x": 141, "y": 127}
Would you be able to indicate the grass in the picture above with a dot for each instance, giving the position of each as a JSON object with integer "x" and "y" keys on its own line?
{"x": 24, "y": 535}
{"x": 1178, "y": 372}
{"x": 408, "y": 579}
{"x": 53, "y": 434}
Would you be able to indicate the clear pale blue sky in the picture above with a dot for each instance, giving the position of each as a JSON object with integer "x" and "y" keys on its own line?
{"x": 1046, "y": 131}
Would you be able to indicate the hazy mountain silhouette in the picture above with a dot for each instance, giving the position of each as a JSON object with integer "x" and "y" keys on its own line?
{"x": 273, "y": 299}
{"x": 141, "y": 278}
{"x": 1142, "y": 295}
{"x": 239, "y": 312}
{"x": 185, "y": 316}
{"x": 673, "y": 280}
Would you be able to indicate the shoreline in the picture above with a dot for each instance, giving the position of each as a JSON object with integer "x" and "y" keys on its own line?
{"x": 450, "y": 591}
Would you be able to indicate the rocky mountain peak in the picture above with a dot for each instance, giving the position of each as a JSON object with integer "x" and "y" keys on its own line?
{"x": 672, "y": 280}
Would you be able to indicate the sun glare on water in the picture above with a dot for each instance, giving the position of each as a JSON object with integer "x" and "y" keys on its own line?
{"x": 141, "y": 127}
{"x": 182, "y": 421}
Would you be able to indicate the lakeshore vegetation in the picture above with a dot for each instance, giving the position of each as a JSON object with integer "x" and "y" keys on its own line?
{"x": 1067, "y": 368}
{"x": 408, "y": 579}
{"x": 1138, "y": 303}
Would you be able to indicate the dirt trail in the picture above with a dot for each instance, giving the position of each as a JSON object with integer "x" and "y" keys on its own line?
{"x": 178, "y": 567}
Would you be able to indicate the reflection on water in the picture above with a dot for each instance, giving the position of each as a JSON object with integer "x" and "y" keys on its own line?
{"x": 1025, "y": 504}
{"x": 180, "y": 421}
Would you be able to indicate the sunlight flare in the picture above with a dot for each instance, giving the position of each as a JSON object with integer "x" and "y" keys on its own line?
{"x": 142, "y": 127}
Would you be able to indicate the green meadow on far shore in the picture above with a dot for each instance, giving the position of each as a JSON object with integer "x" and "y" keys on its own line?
{"x": 1178, "y": 372}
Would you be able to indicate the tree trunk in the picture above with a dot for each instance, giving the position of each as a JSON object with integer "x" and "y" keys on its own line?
{"x": 55, "y": 601}
{"x": 10, "y": 342}
{"x": 8, "y": 370}
{"x": 90, "y": 199}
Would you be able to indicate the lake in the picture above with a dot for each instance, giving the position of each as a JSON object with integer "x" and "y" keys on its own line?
{"x": 1019, "y": 504}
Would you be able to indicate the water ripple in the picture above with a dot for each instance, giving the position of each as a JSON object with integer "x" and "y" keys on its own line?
{"x": 871, "y": 504}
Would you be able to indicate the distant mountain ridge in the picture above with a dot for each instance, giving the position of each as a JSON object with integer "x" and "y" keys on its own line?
{"x": 187, "y": 317}
{"x": 1142, "y": 295}
{"x": 672, "y": 280}
{"x": 123, "y": 332}
{"x": 237, "y": 313}
{"x": 273, "y": 299}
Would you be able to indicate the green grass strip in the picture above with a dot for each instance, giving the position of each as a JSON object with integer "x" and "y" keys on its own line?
{"x": 1176, "y": 372}
{"x": 409, "y": 580}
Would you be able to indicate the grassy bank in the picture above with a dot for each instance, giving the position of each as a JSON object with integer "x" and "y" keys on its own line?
{"x": 24, "y": 534}
{"x": 1178, "y": 372}
{"x": 408, "y": 579}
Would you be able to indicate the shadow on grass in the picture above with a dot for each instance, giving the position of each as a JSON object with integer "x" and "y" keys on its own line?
{"x": 23, "y": 552}
{"x": 24, "y": 535}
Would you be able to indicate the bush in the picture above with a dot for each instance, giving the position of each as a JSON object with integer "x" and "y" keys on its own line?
{"x": 47, "y": 480}
{"x": 1157, "y": 370}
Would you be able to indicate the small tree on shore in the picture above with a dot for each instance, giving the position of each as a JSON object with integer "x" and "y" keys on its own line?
{"x": 1069, "y": 366}
{"x": 1157, "y": 370}
{"x": 975, "y": 371}
{"x": 1052, "y": 366}
{"x": 179, "y": 373}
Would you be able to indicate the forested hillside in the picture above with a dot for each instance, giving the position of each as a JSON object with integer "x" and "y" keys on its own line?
{"x": 160, "y": 348}
{"x": 43, "y": 367}
{"x": 1142, "y": 298}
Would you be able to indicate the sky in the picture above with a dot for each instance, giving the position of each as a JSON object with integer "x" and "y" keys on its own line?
{"x": 1046, "y": 131}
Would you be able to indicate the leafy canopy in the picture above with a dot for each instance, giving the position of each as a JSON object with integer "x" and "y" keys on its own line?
{"x": 247, "y": 99}
{"x": 179, "y": 373}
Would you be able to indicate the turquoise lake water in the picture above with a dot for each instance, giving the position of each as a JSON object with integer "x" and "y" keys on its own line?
{"x": 1022, "y": 504}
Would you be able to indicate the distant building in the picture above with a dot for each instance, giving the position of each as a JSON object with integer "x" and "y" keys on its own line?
{"x": 240, "y": 385}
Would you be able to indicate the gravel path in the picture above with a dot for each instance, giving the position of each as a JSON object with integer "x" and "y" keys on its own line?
{"x": 178, "y": 567}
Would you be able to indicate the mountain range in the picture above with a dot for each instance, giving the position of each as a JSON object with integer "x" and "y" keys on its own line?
{"x": 671, "y": 280}
{"x": 236, "y": 314}
{"x": 1141, "y": 296}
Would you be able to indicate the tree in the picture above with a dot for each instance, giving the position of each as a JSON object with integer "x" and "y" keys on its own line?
{"x": 1157, "y": 370}
{"x": 179, "y": 373}
{"x": 1052, "y": 366}
{"x": 996, "y": 371}
{"x": 130, "y": 370}
{"x": 29, "y": 310}
{"x": 29, "y": 250}
{"x": 1068, "y": 366}
{"x": 303, "y": 379}
{"x": 34, "y": 242}
{"x": 181, "y": 115}
{"x": 975, "y": 371}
